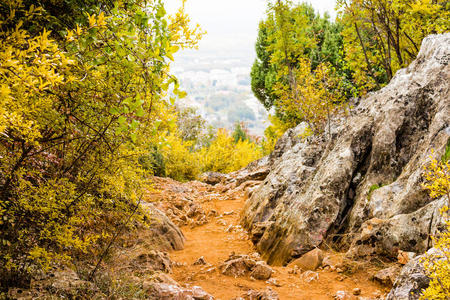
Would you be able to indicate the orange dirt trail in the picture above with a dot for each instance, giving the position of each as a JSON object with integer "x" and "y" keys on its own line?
{"x": 215, "y": 244}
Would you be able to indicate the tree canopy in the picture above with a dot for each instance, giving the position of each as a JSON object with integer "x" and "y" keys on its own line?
{"x": 295, "y": 47}
{"x": 381, "y": 37}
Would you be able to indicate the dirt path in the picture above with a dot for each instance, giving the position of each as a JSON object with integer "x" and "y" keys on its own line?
{"x": 216, "y": 240}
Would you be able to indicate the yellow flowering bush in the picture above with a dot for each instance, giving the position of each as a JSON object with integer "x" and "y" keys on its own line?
{"x": 180, "y": 162}
{"x": 224, "y": 155}
{"x": 437, "y": 265}
{"x": 81, "y": 97}
{"x": 437, "y": 175}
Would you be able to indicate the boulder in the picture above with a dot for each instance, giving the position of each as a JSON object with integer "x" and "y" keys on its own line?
{"x": 309, "y": 261}
{"x": 387, "y": 276}
{"x": 356, "y": 291}
{"x": 261, "y": 271}
{"x": 343, "y": 295}
{"x": 200, "y": 261}
{"x": 155, "y": 261}
{"x": 368, "y": 168}
{"x": 274, "y": 282}
{"x": 309, "y": 276}
{"x": 213, "y": 178}
{"x": 411, "y": 280}
{"x": 243, "y": 265}
{"x": 237, "y": 265}
{"x": 332, "y": 261}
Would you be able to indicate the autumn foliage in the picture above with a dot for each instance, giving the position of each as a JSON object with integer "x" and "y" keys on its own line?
{"x": 221, "y": 151}
{"x": 79, "y": 105}
{"x": 381, "y": 37}
{"x": 87, "y": 109}
{"x": 437, "y": 264}
{"x": 307, "y": 66}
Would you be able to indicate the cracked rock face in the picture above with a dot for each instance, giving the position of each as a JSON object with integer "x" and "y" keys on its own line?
{"x": 359, "y": 186}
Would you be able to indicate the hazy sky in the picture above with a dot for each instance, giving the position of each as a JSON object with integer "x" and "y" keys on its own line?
{"x": 232, "y": 24}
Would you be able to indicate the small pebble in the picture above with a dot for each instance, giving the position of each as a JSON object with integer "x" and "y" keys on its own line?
{"x": 356, "y": 291}
{"x": 200, "y": 261}
{"x": 221, "y": 222}
{"x": 274, "y": 282}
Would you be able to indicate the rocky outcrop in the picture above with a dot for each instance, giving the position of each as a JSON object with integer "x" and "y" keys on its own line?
{"x": 259, "y": 169}
{"x": 254, "y": 172}
{"x": 308, "y": 261}
{"x": 411, "y": 281}
{"x": 359, "y": 185}
{"x": 407, "y": 232}
{"x": 164, "y": 235}
{"x": 62, "y": 283}
{"x": 154, "y": 261}
{"x": 387, "y": 276}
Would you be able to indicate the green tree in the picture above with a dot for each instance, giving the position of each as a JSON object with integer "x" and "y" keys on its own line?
{"x": 263, "y": 73}
{"x": 239, "y": 134}
{"x": 190, "y": 124}
{"x": 295, "y": 43}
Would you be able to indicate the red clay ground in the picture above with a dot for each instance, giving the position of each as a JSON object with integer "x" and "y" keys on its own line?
{"x": 215, "y": 244}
